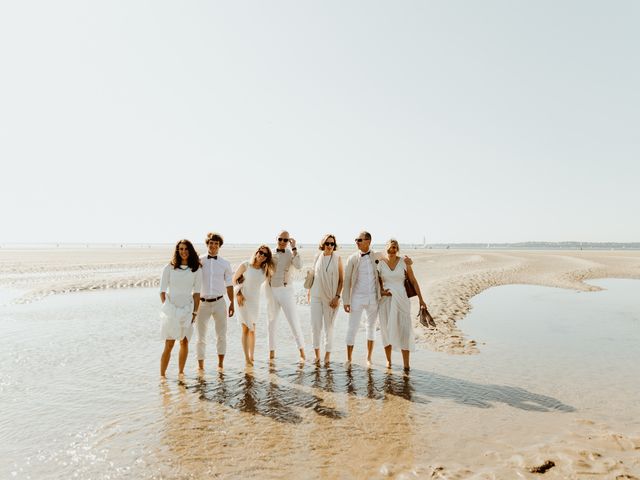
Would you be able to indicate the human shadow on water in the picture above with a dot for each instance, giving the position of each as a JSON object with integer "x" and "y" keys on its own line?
{"x": 419, "y": 386}
{"x": 246, "y": 393}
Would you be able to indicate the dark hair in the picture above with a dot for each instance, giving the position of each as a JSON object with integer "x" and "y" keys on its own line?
{"x": 367, "y": 235}
{"x": 193, "y": 261}
{"x": 215, "y": 237}
{"x": 268, "y": 266}
{"x": 327, "y": 237}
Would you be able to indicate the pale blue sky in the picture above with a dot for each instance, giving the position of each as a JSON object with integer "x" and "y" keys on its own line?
{"x": 493, "y": 121}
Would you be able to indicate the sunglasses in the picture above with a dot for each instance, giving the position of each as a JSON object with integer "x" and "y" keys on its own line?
{"x": 358, "y": 240}
{"x": 264, "y": 254}
{"x": 329, "y": 244}
{"x": 285, "y": 240}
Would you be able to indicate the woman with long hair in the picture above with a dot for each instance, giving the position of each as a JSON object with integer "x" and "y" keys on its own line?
{"x": 180, "y": 295}
{"x": 249, "y": 278}
{"x": 324, "y": 295}
{"x": 395, "y": 307}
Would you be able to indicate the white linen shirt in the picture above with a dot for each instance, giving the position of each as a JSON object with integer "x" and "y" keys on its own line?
{"x": 216, "y": 276}
{"x": 364, "y": 290}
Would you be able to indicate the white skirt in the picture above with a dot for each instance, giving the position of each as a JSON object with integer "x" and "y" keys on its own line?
{"x": 176, "y": 321}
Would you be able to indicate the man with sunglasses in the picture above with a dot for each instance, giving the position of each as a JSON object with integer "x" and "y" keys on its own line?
{"x": 280, "y": 293}
{"x": 361, "y": 292}
{"x": 216, "y": 281}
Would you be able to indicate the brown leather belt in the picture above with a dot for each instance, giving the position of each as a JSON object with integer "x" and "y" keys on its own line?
{"x": 211, "y": 299}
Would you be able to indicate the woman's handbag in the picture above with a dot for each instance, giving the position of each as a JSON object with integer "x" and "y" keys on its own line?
{"x": 311, "y": 274}
{"x": 408, "y": 286}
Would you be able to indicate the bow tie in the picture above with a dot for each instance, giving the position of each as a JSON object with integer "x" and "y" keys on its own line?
{"x": 280, "y": 250}
{"x": 363, "y": 254}
{"x": 215, "y": 257}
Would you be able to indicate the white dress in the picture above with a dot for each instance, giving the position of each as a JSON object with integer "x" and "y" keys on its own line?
{"x": 253, "y": 280}
{"x": 176, "y": 312}
{"x": 395, "y": 311}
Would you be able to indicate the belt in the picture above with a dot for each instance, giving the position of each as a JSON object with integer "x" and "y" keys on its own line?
{"x": 211, "y": 299}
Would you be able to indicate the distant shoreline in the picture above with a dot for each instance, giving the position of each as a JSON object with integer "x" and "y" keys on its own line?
{"x": 413, "y": 246}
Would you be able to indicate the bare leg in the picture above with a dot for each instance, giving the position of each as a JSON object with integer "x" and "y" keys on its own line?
{"x": 349, "y": 352}
{"x": 317, "y": 352}
{"x": 369, "y": 350}
{"x": 327, "y": 358}
{"x": 184, "y": 352}
{"x": 166, "y": 356}
{"x": 272, "y": 356}
{"x": 405, "y": 359}
{"x": 302, "y": 355}
{"x": 245, "y": 344}
{"x": 220, "y": 362}
{"x": 200, "y": 364}
{"x": 387, "y": 352}
{"x": 252, "y": 342}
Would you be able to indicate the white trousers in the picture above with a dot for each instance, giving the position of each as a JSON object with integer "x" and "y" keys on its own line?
{"x": 217, "y": 310}
{"x": 322, "y": 317}
{"x": 281, "y": 298}
{"x": 371, "y": 314}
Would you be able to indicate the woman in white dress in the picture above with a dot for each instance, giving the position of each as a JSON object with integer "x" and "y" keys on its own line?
{"x": 325, "y": 295}
{"x": 180, "y": 295}
{"x": 395, "y": 306}
{"x": 249, "y": 278}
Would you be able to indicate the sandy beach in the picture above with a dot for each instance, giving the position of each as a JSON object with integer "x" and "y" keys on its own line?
{"x": 448, "y": 419}
{"x": 449, "y": 278}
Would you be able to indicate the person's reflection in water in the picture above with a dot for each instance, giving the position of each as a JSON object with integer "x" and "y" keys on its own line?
{"x": 350, "y": 386}
{"x": 372, "y": 392}
{"x": 400, "y": 387}
{"x": 247, "y": 401}
{"x": 323, "y": 379}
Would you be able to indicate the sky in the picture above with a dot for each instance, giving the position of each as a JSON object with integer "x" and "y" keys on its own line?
{"x": 453, "y": 121}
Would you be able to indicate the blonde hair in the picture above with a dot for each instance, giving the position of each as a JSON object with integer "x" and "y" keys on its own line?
{"x": 392, "y": 241}
{"x": 327, "y": 237}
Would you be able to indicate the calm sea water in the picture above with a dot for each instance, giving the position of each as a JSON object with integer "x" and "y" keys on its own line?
{"x": 80, "y": 394}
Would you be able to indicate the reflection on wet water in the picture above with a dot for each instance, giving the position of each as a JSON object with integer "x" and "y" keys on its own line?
{"x": 81, "y": 396}
{"x": 419, "y": 386}
{"x": 249, "y": 394}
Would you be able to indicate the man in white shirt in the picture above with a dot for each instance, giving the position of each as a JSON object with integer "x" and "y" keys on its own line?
{"x": 361, "y": 292}
{"x": 216, "y": 281}
{"x": 280, "y": 293}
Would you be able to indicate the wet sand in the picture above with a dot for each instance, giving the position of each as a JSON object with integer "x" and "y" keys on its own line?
{"x": 449, "y": 278}
{"x": 85, "y": 366}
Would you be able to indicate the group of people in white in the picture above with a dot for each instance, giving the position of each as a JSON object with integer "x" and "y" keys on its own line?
{"x": 193, "y": 290}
